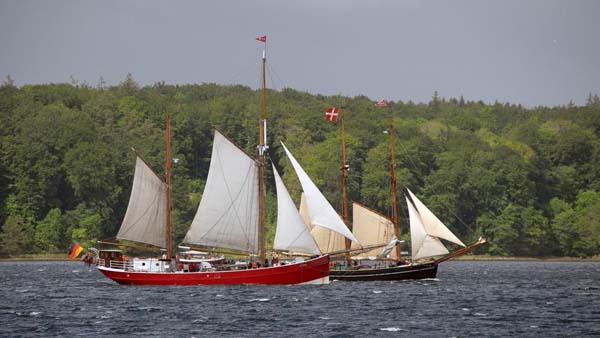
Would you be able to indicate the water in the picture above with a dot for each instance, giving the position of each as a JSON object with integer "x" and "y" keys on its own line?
{"x": 468, "y": 299}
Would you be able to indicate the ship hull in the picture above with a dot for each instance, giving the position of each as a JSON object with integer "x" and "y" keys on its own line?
{"x": 402, "y": 272}
{"x": 313, "y": 271}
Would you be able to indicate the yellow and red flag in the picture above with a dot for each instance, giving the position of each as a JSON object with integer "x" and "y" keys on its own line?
{"x": 75, "y": 251}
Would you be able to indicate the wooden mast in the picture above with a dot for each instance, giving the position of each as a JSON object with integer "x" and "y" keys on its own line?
{"x": 344, "y": 183}
{"x": 394, "y": 196}
{"x": 262, "y": 148}
{"x": 168, "y": 181}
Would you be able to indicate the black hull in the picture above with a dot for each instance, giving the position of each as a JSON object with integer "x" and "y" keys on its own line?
{"x": 403, "y": 272}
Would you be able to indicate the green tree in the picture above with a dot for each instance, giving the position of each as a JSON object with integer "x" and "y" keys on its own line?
{"x": 49, "y": 234}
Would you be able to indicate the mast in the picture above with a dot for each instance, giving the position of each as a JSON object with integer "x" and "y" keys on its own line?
{"x": 168, "y": 181}
{"x": 394, "y": 196}
{"x": 262, "y": 149}
{"x": 344, "y": 183}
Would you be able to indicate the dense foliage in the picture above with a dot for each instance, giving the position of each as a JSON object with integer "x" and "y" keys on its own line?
{"x": 528, "y": 179}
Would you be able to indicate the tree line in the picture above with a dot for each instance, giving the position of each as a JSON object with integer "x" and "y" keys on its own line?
{"x": 527, "y": 178}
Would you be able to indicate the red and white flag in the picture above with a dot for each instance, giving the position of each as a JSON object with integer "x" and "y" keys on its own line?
{"x": 262, "y": 38}
{"x": 382, "y": 103}
{"x": 332, "y": 114}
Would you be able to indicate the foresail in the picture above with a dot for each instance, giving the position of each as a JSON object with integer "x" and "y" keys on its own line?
{"x": 145, "y": 220}
{"x": 422, "y": 244}
{"x": 370, "y": 228}
{"x": 321, "y": 212}
{"x": 227, "y": 216}
{"x": 292, "y": 234}
{"x": 433, "y": 226}
{"x": 327, "y": 240}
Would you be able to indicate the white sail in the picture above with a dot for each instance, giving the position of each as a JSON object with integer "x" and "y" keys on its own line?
{"x": 228, "y": 213}
{"x": 292, "y": 234}
{"x": 304, "y": 212}
{"x": 327, "y": 240}
{"x": 371, "y": 228}
{"x": 321, "y": 212}
{"x": 423, "y": 245}
{"x": 145, "y": 220}
{"x": 426, "y": 230}
{"x": 433, "y": 226}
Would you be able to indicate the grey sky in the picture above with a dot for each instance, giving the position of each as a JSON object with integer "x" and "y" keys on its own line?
{"x": 543, "y": 52}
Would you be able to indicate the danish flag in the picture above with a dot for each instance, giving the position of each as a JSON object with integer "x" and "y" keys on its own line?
{"x": 262, "y": 38}
{"x": 332, "y": 114}
{"x": 382, "y": 103}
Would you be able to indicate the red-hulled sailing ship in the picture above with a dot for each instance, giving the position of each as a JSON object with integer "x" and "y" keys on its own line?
{"x": 230, "y": 217}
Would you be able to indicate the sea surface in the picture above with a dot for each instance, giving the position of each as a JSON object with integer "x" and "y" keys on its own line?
{"x": 468, "y": 299}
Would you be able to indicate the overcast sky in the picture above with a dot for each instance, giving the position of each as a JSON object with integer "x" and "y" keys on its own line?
{"x": 544, "y": 52}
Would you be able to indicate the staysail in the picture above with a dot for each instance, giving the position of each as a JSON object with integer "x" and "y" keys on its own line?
{"x": 145, "y": 220}
{"x": 228, "y": 213}
{"x": 321, "y": 212}
{"x": 292, "y": 234}
{"x": 426, "y": 230}
{"x": 371, "y": 228}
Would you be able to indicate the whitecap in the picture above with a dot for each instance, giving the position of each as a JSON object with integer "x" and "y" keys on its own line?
{"x": 41, "y": 270}
{"x": 391, "y": 329}
{"x": 325, "y": 318}
{"x": 533, "y": 326}
{"x": 480, "y": 314}
{"x": 432, "y": 279}
{"x": 23, "y": 291}
{"x": 377, "y": 291}
{"x": 260, "y": 299}
{"x": 34, "y": 313}
{"x": 75, "y": 271}
{"x": 549, "y": 303}
{"x": 219, "y": 296}
{"x": 466, "y": 309}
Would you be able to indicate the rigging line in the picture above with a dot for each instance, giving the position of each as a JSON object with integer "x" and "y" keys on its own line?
{"x": 237, "y": 75}
{"x": 272, "y": 71}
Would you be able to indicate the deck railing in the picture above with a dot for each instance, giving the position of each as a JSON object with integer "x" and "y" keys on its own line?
{"x": 126, "y": 265}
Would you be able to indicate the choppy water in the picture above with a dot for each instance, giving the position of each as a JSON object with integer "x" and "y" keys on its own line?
{"x": 468, "y": 299}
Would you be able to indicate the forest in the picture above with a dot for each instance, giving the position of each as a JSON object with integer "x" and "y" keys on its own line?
{"x": 527, "y": 178}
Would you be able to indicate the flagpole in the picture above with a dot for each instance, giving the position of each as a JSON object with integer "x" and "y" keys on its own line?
{"x": 168, "y": 182}
{"x": 344, "y": 183}
{"x": 393, "y": 184}
{"x": 262, "y": 148}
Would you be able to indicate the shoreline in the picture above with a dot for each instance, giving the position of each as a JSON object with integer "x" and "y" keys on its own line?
{"x": 460, "y": 258}
{"x": 525, "y": 259}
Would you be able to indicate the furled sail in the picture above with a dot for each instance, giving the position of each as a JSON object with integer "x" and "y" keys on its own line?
{"x": 371, "y": 228}
{"x": 292, "y": 234}
{"x": 227, "y": 216}
{"x": 426, "y": 229}
{"x": 321, "y": 212}
{"x": 145, "y": 220}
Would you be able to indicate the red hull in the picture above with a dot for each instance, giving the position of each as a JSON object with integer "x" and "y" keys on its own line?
{"x": 313, "y": 270}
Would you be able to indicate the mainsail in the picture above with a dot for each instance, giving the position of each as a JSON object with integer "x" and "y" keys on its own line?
{"x": 371, "y": 228}
{"x": 321, "y": 212}
{"x": 146, "y": 216}
{"x": 292, "y": 234}
{"x": 228, "y": 213}
{"x": 426, "y": 230}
